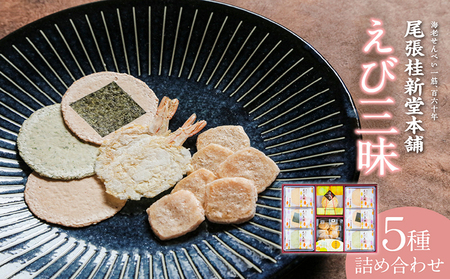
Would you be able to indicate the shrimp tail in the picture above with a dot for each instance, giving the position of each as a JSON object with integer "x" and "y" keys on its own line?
{"x": 188, "y": 129}
{"x": 164, "y": 113}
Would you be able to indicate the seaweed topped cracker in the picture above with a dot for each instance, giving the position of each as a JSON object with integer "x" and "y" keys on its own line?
{"x": 99, "y": 104}
{"x": 108, "y": 109}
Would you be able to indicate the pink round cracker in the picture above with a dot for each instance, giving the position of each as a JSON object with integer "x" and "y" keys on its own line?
{"x": 70, "y": 203}
{"x": 135, "y": 88}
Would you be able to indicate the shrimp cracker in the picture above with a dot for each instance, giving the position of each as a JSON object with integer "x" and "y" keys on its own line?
{"x": 196, "y": 183}
{"x": 210, "y": 157}
{"x": 73, "y": 203}
{"x": 232, "y": 137}
{"x": 175, "y": 215}
{"x": 252, "y": 164}
{"x": 140, "y": 165}
{"x": 50, "y": 149}
{"x": 96, "y": 105}
{"x": 143, "y": 161}
{"x": 230, "y": 200}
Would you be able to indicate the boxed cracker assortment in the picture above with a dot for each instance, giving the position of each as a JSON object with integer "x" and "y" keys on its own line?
{"x": 329, "y": 218}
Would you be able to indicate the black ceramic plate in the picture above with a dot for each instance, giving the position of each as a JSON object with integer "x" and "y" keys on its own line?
{"x": 225, "y": 64}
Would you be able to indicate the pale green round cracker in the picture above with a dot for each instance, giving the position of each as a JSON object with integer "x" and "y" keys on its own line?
{"x": 50, "y": 149}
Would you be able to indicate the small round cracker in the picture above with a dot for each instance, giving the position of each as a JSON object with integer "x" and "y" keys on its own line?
{"x": 324, "y": 226}
{"x": 74, "y": 203}
{"x": 210, "y": 157}
{"x": 135, "y": 88}
{"x": 196, "y": 183}
{"x": 50, "y": 149}
{"x": 252, "y": 164}
{"x": 229, "y": 136}
{"x": 334, "y": 234}
{"x": 230, "y": 200}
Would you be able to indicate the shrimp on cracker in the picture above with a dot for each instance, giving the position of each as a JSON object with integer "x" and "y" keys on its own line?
{"x": 143, "y": 161}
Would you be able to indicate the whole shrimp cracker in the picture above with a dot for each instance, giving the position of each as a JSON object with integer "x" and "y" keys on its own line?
{"x": 252, "y": 164}
{"x": 230, "y": 200}
{"x": 143, "y": 161}
{"x": 175, "y": 215}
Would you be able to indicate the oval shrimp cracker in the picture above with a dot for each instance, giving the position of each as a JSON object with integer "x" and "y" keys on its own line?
{"x": 210, "y": 157}
{"x": 96, "y": 105}
{"x": 252, "y": 164}
{"x": 74, "y": 203}
{"x": 175, "y": 215}
{"x": 196, "y": 183}
{"x": 230, "y": 200}
{"x": 50, "y": 149}
{"x": 229, "y": 136}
